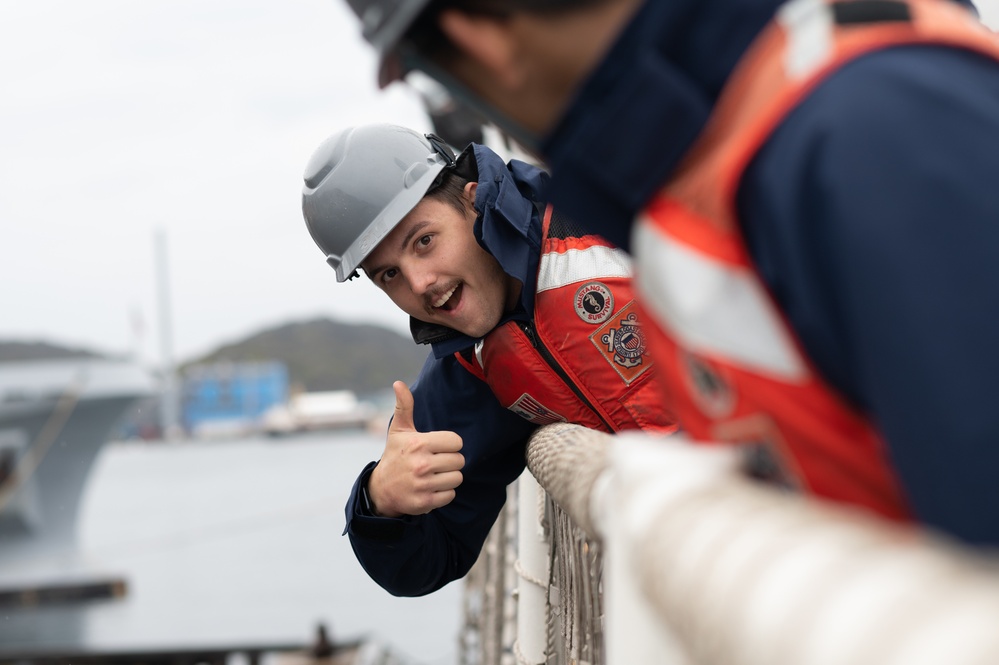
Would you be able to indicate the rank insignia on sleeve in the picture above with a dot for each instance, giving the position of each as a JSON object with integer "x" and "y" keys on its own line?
{"x": 622, "y": 343}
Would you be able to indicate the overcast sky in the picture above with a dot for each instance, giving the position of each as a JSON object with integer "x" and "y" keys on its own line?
{"x": 195, "y": 117}
{"x": 119, "y": 118}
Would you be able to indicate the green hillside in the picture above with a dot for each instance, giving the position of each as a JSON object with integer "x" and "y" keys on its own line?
{"x": 13, "y": 350}
{"x": 323, "y": 354}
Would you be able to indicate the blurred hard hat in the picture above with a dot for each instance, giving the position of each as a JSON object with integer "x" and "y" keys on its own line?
{"x": 361, "y": 182}
{"x": 385, "y": 23}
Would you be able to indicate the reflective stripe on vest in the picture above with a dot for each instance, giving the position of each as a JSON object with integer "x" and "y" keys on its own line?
{"x": 583, "y": 359}
{"x": 714, "y": 307}
{"x": 586, "y": 262}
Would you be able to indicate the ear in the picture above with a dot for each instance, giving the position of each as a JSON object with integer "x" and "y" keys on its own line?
{"x": 469, "y": 191}
{"x": 487, "y": 40}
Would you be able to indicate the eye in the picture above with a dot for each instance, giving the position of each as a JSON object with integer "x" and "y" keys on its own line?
{"x": 424, "y": 241}
{"x": 387, "y": 275}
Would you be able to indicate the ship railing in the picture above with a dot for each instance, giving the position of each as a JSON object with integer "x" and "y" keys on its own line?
{"x": 635, "y": 549}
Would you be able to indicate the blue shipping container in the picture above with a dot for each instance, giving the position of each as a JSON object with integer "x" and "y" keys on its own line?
{"x": 235, "y": 393}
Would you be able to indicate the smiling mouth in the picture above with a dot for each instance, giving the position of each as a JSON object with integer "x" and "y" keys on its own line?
{"x": 447, "y": 300}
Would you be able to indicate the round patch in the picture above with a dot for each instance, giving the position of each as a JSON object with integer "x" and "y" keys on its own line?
{"x": 594, "y": 303}
{"x": 706, "y": 383}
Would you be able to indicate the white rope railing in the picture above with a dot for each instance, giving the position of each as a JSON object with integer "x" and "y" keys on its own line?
{"x": 705, "y": 566}
{"x": 489, "y": 608}
{"x": 561, "y": 625}
{"x": 567, "y": 461}
{"x": 575, "y": 629}
{"x": 531, "y": 566}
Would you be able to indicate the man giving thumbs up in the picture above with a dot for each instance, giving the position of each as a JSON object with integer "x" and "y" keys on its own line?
{"x": 530, "y": 322}
{"x": 419, "y": 471}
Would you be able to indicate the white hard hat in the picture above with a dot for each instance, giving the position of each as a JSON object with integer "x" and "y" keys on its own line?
{"x": 361, "y": 182}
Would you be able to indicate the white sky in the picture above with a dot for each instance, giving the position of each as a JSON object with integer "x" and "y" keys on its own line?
{"x": 118, "y": 118}
{"x": 196, "y": 117}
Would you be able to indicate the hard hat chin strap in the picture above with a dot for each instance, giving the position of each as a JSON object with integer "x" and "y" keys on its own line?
{"x": 441, "y": 148}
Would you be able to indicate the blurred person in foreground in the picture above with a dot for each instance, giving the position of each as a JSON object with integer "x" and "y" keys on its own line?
{"x": 529, "y": 322}
{"x": 809, "y": 192}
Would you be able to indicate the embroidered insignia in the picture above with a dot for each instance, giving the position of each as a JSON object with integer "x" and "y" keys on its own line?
{"x": 713, "y": 395}
{"x": 594, "y": 302}
{"x": 531, "y": 409}
{"x": 622, "y": 343}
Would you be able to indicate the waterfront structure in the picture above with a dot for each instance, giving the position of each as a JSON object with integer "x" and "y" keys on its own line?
{"x": 230, "y": 397}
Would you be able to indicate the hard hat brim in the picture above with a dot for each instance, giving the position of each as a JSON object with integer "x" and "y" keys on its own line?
{"x": 389, "y": 218}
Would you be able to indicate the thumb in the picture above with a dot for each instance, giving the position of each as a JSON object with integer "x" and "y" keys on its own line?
{"x": 402, "y": 418}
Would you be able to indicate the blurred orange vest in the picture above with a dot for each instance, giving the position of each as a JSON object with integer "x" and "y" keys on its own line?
{"x": 731, "y": 366}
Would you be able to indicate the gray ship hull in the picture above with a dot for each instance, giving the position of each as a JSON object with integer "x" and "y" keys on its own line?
{"x": 55, "y": 416}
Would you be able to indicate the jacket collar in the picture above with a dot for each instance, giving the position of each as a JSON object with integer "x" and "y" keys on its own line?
{"x": 640, "y": 110}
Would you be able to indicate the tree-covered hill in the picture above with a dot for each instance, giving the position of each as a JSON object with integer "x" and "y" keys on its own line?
{"x": 13, "y": 350}
{"x": 323, "y": 354}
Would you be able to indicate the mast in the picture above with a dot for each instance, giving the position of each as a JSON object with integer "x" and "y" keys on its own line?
{"x": 168, "y": 394}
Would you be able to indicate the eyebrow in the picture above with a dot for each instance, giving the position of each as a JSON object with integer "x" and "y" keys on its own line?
{"x": 413, "y": 230}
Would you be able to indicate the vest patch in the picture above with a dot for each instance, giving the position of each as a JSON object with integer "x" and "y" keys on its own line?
{"x": 760, "y": 461}
{"x": 765, "y": 455}
{"x": 713, "y": 394}
{"x": 594, "y": 302}
{"x": 531, "y": 409}
{"x": 622, "y": 343}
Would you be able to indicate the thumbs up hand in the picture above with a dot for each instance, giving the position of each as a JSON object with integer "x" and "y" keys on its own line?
{"x": 418, "y": 471}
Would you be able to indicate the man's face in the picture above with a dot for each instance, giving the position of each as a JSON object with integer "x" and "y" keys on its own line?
{"x": 433, "y": 269}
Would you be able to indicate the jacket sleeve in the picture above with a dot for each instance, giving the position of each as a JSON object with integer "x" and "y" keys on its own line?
{"x": 872, "y": 214}
{"x": 416, "y": 555}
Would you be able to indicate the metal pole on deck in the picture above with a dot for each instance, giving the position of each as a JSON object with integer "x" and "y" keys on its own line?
{"x": 168, "y": 397}
{"x": 532, "y": 587}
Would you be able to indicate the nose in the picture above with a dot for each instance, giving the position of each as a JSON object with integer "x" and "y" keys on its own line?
{"x": 420, "y": 279}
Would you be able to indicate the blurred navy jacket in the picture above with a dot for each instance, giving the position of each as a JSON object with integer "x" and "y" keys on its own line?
{"x": 895, "y": 298}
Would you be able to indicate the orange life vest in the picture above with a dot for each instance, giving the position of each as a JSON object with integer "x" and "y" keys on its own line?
{"x": 731, "y": 367}
{"x": 583, "y": 359}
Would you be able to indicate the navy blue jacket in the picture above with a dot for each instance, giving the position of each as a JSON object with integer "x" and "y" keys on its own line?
{"x": 415, "y": 555}
{"x": 872, "y": 214}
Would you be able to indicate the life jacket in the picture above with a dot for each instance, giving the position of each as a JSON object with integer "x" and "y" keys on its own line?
{"x": 731, "y": 367}
{"x": 583, "y": 359}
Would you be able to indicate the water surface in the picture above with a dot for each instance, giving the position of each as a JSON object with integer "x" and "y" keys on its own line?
{"x": 235, "y": 541}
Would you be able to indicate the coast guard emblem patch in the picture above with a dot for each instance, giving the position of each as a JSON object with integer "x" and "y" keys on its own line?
{"x": 594, "y": 302}
{"x": 622, "y": 343}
